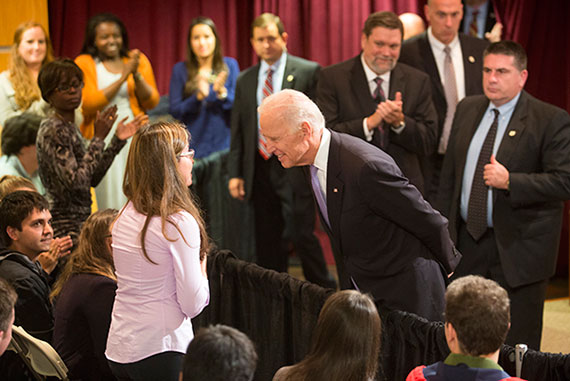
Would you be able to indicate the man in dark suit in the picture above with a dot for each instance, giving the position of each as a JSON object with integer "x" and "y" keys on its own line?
{"x": 388, "y": 238}
{"x": 505, "y": 176}
{"x": 255, "y": 174}
{"x": 461, "y": 77}
{"x": 479, "y": 20}
{"x": 404, "y": 123}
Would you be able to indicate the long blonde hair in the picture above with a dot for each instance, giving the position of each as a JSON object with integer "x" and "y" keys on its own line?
{"x": 25, "y": 85}
{"x": 153, "y": 184}
{"x": 92, "y": 255}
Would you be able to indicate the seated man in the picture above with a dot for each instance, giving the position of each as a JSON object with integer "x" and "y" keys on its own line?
{"x": 219, "y": 353}
{"x": 477, "y": 319}
{"x": 7, "y": 300}
{"x": 25, "y": 232}
{"x": 19, "y": 148}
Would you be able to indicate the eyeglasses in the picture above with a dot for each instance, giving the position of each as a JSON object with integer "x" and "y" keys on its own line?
{"x": 66, "y": 87}
{"x": 189, "y": 154}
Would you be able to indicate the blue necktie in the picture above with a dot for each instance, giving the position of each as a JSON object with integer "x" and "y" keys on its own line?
{"x": 319, "y": 194}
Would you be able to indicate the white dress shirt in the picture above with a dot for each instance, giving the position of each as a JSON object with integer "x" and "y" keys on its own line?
{"x": 456, "y": 57}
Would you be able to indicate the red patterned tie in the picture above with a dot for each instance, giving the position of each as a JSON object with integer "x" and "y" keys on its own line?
{"x": 473, "y": 28}
{"x": 380, "y": 97}
{"x": 267, "y": 91}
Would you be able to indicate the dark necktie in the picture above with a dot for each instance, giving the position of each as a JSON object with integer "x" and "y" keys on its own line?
{"x": 380, "y": 97}
{"x": 321, "y": 201}
{"x": 267, "y": 91}
{"x": 477, "y": 207}
{"x": 473, "y": 28}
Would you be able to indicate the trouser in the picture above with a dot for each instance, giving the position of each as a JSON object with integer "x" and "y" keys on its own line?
{"x": 165, "y": 366}
{"x": 527, "y": 301}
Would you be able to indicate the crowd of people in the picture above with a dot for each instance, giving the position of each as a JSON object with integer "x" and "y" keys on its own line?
{"x": 424, "y": 158}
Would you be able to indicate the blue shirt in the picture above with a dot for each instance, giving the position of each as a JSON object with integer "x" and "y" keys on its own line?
{"x": 506, "y": 111}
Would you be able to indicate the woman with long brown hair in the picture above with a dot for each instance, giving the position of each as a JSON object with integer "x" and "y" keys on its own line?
{"x": 19, "y": 89}
{"x": 84, "y": 295}
{"x": 345, "y": 344}
{"x": 159, "y": 250}
{"x": 202, "y": 88}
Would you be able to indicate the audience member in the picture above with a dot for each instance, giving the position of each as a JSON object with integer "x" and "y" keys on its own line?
{"x": 373, "y": 97}
{"x": 11, "y": 183}
{"x": 503, "y": 185}
{"x": 345, "y": 343}
{"x": 361, "y": 192}
{"x": 19, "y": 148}
{"x": 8, "y": 299}
{"x": 220, "y": 353}
{"x": 477, "y": 319}
{"x": 413, "y": 24}
{"x": 19, "y": 90}
{"x": 159, "y": 250}
{"x": 479, "y": 20}
{"x": 255, "y": 174}
{"x": 67, "y": 168}
{"x": 453, "y": 61}
{"x": 26, "y": 231}
{"x": 202, "y": 89}
{"x": 59, "y": 248}
{"x": 84, "y": 295}
{"x": 115, "y": 77}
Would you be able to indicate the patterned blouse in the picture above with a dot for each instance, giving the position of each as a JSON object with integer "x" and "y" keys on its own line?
{"x": 68, "y": 170}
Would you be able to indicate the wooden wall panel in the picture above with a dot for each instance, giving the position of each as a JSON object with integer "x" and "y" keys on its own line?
{"x": 13, "y": 13}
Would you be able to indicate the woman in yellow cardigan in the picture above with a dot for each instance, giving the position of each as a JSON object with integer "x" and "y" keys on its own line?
{"x": 114, "y": 75}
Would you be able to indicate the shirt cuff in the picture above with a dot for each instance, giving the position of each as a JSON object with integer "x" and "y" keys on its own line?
{"x": 368, "y": 134}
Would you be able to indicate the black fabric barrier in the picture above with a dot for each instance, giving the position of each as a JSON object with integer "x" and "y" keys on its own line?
{"x": 279, "y": 313}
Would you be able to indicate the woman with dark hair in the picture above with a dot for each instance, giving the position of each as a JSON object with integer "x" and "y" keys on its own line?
{"x": 345, "y": 344}
{"x": 159, "y": 250}
{"x": 202, "y": 89}
{"x": 19, "y": 89}
{"x": 84, "y": 295}
{"x": 67, "y": 168}
{"x": 114, "y": 76}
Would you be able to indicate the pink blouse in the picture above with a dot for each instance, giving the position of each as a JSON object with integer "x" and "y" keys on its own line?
{"x": 154, "y": 302}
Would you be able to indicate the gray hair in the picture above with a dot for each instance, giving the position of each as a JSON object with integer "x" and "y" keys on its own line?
{"x": 294, "y": 108}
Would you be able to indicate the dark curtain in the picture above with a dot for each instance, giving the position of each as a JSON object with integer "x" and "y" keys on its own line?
{"x": 326, "y": 31}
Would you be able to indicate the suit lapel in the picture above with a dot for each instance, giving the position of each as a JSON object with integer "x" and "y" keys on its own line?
{"x": 397, "y": 82}
{"x": 289, "y": 74}
{"x": 360, "y": 88}
{"x": 429, "y": 61}
{"x": 470, "y": 67}
{"x": 514, "y": 131}
{"x": 335, "y": 186}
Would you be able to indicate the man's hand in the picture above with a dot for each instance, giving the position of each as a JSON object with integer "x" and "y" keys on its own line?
{"x": 496, "y": 175}
{"x": 60, "y": 247}
{"x": 236, "y": 187}
{"x": 392, "y": 110}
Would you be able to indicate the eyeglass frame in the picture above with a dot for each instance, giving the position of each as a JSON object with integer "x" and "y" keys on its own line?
{"x": 66, "y": 88}
{"x": 189, "y": 154}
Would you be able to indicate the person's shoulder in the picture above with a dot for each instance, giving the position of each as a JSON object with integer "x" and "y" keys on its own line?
{"x": 302, "y": 62}
{"x": 282, "y": 373}
{"x": 247, "y": 74}
{"x": 84, "y": 60}
{"x": 471, "y": 42}
{"x": 411, "y": 71}
{"x": 541, "y": 110}
{"x": 417, "y": 374}
{"x": 230, "y": 61}
{"x": 341, "y": 66}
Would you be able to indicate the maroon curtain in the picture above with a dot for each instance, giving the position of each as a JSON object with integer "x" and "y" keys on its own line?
{"x": 326, "y": 31}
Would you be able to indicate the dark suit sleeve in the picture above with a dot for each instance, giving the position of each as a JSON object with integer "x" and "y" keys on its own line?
{"x": 420, "y": 133}
{"x": 389, "y": 195}
{"x": 328, "y": 102}
{"x": 553, "y": 181}
{"x": 236, "y": 141}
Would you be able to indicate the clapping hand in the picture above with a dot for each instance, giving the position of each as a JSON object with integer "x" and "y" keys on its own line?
{"x": 203, "y": 87}
{"x": 60, "y": 247}
{"x": 104, "y": 122}
{"x": 132, "y": 64}
{"x": 126, "y": 130}
{"x": 218, "y": 85}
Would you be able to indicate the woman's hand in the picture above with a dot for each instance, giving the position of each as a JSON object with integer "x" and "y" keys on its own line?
{"x": 219, "y": 87}
{"x": 203, "y": 87}
{"x": 132, "y": 65}
{"x": 104, "y": 121}
{"x": 60, "y": 247}
{"x": 125, "y": 131}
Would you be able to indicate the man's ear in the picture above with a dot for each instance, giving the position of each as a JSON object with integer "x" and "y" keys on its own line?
{"x": 12, "y": 233}
{"x": 306, "y": 128}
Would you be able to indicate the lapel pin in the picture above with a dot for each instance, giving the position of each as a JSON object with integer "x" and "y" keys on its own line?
{"x": 335, "y": 190}
{"x": 290, "y": 78}
{"x": 512, "y": 133}
{"x": 471, "y": 59}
